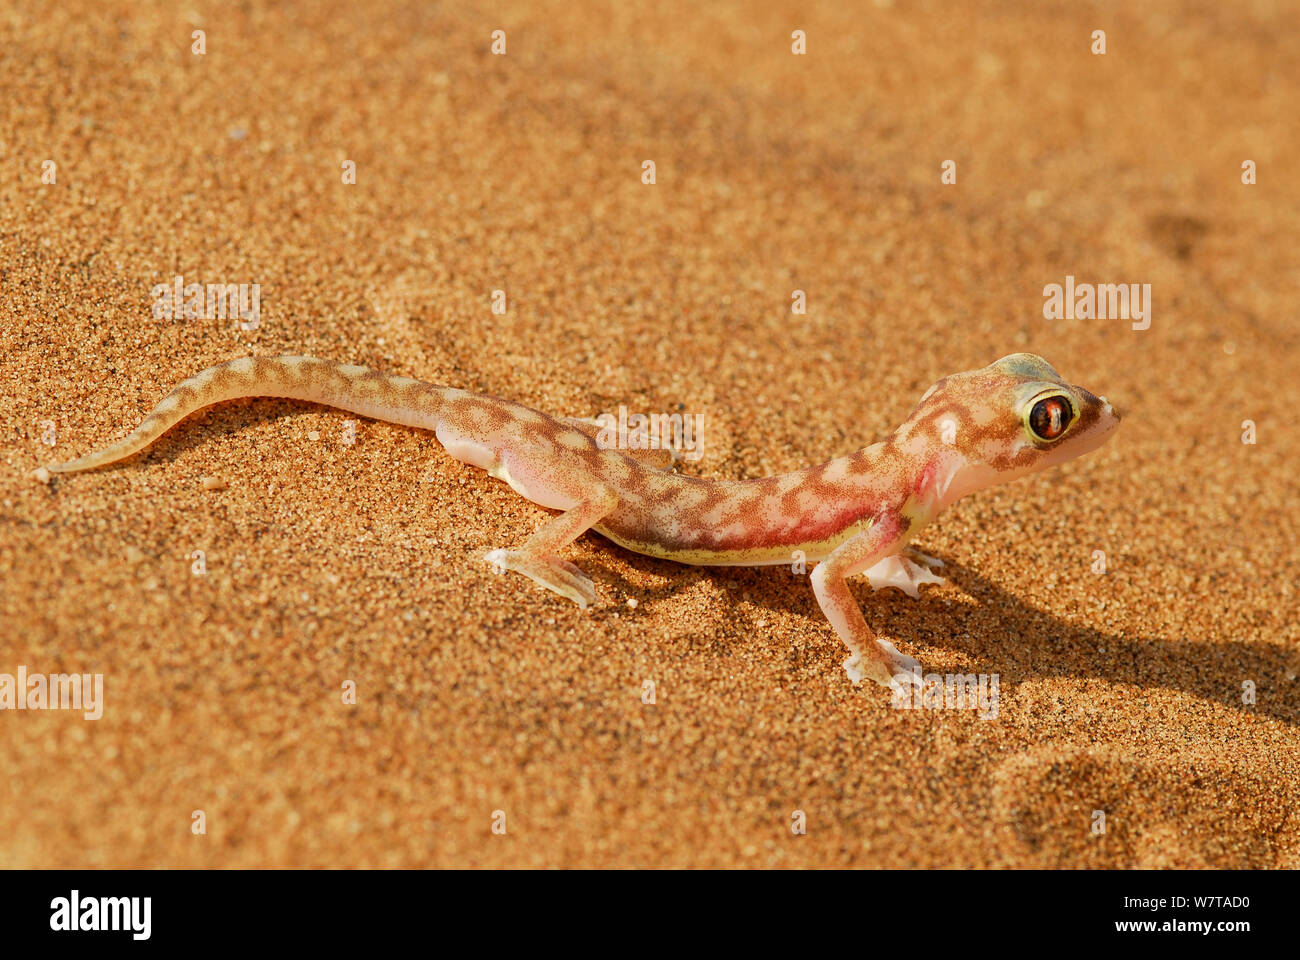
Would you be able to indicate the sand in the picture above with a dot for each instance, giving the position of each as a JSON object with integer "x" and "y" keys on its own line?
{"x": 328, "y": 562}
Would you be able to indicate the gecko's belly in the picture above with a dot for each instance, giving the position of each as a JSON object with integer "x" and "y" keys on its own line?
{"x": 749, "y": 556}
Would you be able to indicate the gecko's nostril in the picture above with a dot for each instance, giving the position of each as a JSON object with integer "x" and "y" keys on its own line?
{"x": 1108, "y": 409}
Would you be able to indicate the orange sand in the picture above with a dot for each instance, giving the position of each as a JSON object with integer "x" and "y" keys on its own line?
{"x": 775, "y": 172}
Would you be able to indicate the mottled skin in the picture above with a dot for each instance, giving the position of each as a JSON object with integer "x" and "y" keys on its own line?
{"x": 851, "y": 515}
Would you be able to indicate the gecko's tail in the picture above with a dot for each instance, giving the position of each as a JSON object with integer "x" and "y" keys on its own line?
{"x": 345, "y": 386}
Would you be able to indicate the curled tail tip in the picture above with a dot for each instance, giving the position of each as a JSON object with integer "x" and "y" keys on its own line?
{"x": 42, "y": 474}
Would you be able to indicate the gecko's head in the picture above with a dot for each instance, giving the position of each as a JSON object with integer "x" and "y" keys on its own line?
{"x": 1014, "y": 417}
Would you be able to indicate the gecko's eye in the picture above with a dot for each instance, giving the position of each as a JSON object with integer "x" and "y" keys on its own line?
{"x": 1050, "y": 417}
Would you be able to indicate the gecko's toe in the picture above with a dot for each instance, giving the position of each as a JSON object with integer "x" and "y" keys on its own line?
{"x": 924, "y": 558}
{"x": 568, "y": 567}
{"x": 553, "y": 573}
{"x": 853, "y": 667}
{"x": 577, "y": 586}
{"x": 902, "y": 669}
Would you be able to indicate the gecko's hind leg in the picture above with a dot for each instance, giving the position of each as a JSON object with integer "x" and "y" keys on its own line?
{"x": 538, "y": 557}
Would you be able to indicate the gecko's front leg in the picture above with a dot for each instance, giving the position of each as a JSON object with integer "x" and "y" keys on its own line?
{"x": 538, "y": 558}
{"x": 870, "y": 656}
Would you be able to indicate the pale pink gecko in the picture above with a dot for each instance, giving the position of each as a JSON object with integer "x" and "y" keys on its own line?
{"x": 855, "y": 514}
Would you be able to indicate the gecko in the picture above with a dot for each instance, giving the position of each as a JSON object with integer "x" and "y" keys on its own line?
{"x": 855, "y": 514}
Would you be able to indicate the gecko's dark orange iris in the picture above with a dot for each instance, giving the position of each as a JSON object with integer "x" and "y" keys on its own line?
{"x": 1050, "y": 417}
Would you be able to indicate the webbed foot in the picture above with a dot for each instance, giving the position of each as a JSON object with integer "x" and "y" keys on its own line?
{"x": 898, "y": 571}
{"x": 886, "y": 665}
{"x": 552, "y": 573}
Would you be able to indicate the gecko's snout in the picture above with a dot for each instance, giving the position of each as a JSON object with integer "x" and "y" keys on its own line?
{"x": 1104, "y": 423}
{"x": 1106, "y": 417}
{"x": 1109, "y": 408}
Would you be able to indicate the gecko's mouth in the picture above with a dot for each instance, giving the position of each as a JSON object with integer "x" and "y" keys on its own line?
{"x": 1107, "y": 423}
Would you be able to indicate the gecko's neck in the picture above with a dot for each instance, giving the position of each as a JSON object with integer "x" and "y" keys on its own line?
{"x": 928, "y": 475}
